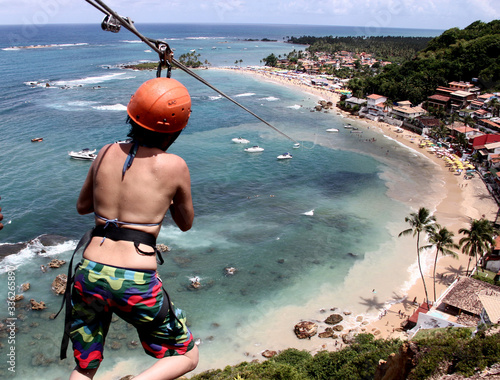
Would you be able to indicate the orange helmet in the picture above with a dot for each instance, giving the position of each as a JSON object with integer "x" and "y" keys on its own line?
{"x": 160, "y": 105}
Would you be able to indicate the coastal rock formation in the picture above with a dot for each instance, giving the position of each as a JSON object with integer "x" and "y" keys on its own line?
{"x": 37, "y": 305}
{"x": 59, "y": 284}
{"x": 398, "y": 365}
{"x": 269, "y": 354}
{"x": 55, "y": 263}
{"x": 229, "y": 271}
{"x": 18, "y": 297}
{"x": 25, "y": 287}
{"x": 305, "y": 329}
{"x": 328, "y": 333}
{"x": 163, "y": 248}
{"x": 333, "y": 319}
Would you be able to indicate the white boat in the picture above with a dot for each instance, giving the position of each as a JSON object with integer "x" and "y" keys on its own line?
{"x": 332, "y": 130}
{"x": 240, "y": 140}
{"x": 284, "y": 156}
{"x": 296, "y": 146}
{"x": 84, "y": 154}
{"x": 348, "y": 126}
{"x": 254, "y": 149}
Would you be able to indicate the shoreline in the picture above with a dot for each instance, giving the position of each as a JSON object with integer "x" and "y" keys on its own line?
{"x": 463, "y": 201}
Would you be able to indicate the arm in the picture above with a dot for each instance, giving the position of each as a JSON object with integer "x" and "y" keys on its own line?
{"x": 181, "y": 208}
{"x": 85, "y": 202}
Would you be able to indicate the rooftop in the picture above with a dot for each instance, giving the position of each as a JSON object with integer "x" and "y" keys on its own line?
{"x": 464, "y": 295}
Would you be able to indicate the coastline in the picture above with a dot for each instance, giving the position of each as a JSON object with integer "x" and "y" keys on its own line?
{"x": 463, "y": 200}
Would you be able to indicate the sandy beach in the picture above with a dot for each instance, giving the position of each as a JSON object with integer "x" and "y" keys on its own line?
{"x": 464, "y": 200}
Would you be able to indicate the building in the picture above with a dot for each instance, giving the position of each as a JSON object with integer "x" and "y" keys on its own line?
{"x": 490, "y": 300}
{"x": 463, "y": 300}
{"x": 407, "y": 112}
{"x": 353, "y": 101}
{"x": 376, "y": 104}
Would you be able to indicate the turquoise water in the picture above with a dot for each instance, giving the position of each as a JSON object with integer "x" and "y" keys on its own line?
{"x": 315, "y": 232}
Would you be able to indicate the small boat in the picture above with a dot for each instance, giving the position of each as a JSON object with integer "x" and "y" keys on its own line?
{"x": 296, "y": 146}
{"x": 356, "y": 131}
{"x": 240, "y": 140}
{"x": 284, "y": 156}
{"x": 37, "y": 139}
{"x": 348, "y": 126}
{"x": 254, "y": 149}
{"x": 332, "y": 130}
{"x": 84, "y": 154}
{"x": 126, "y": 141}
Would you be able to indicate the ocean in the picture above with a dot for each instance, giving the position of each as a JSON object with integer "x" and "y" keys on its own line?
{"x": 308, "y": 235}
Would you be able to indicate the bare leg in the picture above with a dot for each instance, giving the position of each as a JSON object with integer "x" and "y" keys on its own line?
{"x": 82, "y": 374}
{"x": 171, "y": 367}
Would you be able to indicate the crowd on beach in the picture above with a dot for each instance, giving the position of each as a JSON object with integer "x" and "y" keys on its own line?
{"x": 466, "y": 199}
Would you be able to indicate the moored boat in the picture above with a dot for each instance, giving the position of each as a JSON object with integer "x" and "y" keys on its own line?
{"x": 240, "y": 140}
{"x": 37, "y": 139}
{"x": 84, "y": 154}
{"x": 284, "y": 156}
{"x": 254, "y": 149}
{"x": 332, "y": 130}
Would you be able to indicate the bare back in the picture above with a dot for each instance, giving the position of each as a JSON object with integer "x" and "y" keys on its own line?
{"x": 155, "y": 182}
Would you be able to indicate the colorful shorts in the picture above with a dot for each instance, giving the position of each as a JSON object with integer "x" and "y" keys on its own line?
{"x": 135, "y": 296}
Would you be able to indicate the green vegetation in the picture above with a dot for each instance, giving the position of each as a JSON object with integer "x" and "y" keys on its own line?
{"x": 191, "y": 59}
{"x": 388, "y": 48}
{"x": 454, "y": 56}
{"x": 446, "y": 351}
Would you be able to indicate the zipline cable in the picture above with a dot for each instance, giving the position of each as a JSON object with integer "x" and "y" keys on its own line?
{"x": 156, "y": 46}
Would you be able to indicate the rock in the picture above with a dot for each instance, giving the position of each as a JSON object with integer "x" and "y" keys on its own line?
{"x": 349, "y": 337}
{"x": 305, "y": 329}
{"x": 229, "y": 271}
{"x": 37, "y": 305}
{"x": 328, "y": 333}
{"x": 128, "y": 377}
{"x": 18, "y": 297}
{"x": 25, "y": 287}
{"x": 59, "y": 284}
{"x": 359, "y": 318}
{"x": 398, "y": 365}
{"x": 338, "y": 328}
{"x": 163, "y": 248}
{"x": 269, "y": 354}
{"x": 116, "y": 345}
{"x": 55, "y": 263}
{"x": 133, "y": 344}
{"x": 333, "y": 319}
{"x": 347, "y": 312}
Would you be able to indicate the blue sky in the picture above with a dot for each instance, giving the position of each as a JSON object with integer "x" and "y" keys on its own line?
{"x": 421, "y": 14}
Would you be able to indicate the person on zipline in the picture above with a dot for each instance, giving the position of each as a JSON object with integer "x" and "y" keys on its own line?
{"x": 129, "y": 188}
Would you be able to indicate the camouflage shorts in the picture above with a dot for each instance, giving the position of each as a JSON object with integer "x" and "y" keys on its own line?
{"x": 136, "y": 297}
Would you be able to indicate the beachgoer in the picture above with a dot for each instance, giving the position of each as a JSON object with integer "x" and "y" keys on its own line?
{"x": 129, "y": 188}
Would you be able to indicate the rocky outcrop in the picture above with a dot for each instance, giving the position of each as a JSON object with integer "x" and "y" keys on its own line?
{"x": 269, "y": 354}
{"x": 37, "y": 305}
{"x": 305, "y": 329}
{"x": 59, "y": 284}
{"x": 334, "y": 319}
{"x": 55, "y": 263}
{"x": 163, "y": 248}
{"x": 398, "y": 365}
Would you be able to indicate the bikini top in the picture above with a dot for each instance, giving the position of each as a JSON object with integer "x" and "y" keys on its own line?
{"x": 111, "y": 229}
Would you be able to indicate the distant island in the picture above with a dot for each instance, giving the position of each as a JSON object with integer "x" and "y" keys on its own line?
{"x": 191, "y": 60}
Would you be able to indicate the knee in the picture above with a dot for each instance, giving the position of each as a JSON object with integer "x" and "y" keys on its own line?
{"x": 193, "y": 355}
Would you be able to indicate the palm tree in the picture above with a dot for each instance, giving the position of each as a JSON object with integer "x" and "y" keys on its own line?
{"x": 442, "y": 239}
{"x": 421, "y": 221}
{"x": 477, "y": 240}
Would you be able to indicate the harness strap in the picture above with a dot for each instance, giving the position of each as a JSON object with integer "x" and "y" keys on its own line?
{"x": 84, "y": 241}
{"x": 115, "y": 233}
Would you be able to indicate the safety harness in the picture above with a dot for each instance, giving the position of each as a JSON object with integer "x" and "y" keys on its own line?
{"x": 113, "y": 232}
